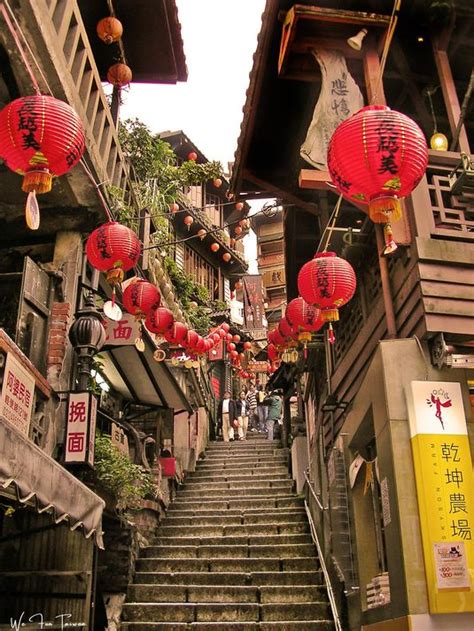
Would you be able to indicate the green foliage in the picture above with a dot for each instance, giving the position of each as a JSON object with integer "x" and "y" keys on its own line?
{"x": 128, "y": 482}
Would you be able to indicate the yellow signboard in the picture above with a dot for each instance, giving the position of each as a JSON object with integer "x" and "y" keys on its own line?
{"x": 444, "y": 483}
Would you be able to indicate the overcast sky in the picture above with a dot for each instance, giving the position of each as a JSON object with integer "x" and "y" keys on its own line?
{"x": 220, "y": 37}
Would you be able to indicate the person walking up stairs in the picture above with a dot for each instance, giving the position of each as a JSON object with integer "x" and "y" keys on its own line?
{"x": 234, "y": 552}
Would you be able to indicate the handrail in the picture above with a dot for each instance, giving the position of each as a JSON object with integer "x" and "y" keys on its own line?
{"x": 313, "y": 492}
{"x": 332, "y": 600}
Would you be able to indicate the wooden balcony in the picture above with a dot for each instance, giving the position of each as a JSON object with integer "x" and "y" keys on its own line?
{"x": 432, "y": 282}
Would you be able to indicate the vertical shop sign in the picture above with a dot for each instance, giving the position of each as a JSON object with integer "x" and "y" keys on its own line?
{"x": 80, "y": 432}
{"x": 444, "y": 483}
{"x": 253, "y": 302}
{"x": 16, "y": 402}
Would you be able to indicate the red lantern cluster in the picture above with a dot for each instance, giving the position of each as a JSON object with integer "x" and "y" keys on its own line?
{"x": 376, "y": 157}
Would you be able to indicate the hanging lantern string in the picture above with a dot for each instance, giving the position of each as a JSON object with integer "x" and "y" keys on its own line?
{"x": 3, "y": 10}
{"x": 388, "y": 40}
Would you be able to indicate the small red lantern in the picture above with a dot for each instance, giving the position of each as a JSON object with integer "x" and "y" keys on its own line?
{"x": 239, "y": 206}
{"x": 109, "y": 30}
{"x": 236, "y": 339}
{"x": 244, "y": 223}
{"x": 234, "y": 355}
{"x": 226, "y": 257}
{"x": 191, "y": 339}
{"x": 140, "y": 297}
{"x": 217, "y": 182}
{"x": 119, "y": 75}
{"x": 216, "y": 338}
{"x": 238, "y": 285}
{"x": 231, "y": 346}
{"x": 225, "y": 327}
{"x": 247, "y": 346}
{"x": 285, "y": 328}
{"x": 40, "y": 138}
{"x": 228, "y": 337}
{"x": 272, "y": 352}
{"x": 177, "y": 334}
{"x": 159, "y": 320}
{"x": 222, "y": 333}
{"x": 303, "y": 316}
{"x": 174, "y": 207}
{"x": 192, "y": 156}
{"x": 238, "y": 230}
{"x": 201, "y": 233}
{"x": 375, "y": 157}
{"x": 114, "y": 249}
{"x": 215, "y": 247}
{"x": 188, "y": 220}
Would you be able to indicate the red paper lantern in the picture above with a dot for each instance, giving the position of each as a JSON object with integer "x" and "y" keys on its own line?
{"x": 119, "y": 75}
{"x": 230, "y": 346}
{"x": 159, "y": 320}
{"x": 188, "y": 220}
{"x": 285, "y": 328}
{"x": 140, "y": 297}
{"x": 192, "y": 156}
{"x": 225, "y": 327}
{"x": 201, "y": 233}
{"x": 217, "y": 182}
{"x": 236, "y": 339}
{"x": 239, "y": 206}
{"x": 375, "y": 157}
{"x": 238, "y": 230}
{"x": 216, "y": 338}
{"x": 226, "y": 257}
{"x": 228, "y": 337}
{"x": 177, "y": 334}
{"x": 40, "y": 138}
{"x": 247, "y": 346}
{"x": 109, "y": 30}
{"x": 303, "y": 316}
{"x": 278, "y": 339}
{"x": 234, "y": 355}
{"x": 328, "y": 282}
{"x": 215, "y": 247}
{"x": 222, "y": 333}
{"x": 174, "y": 207}
{"x": 238, "y": 285}
{"x": 191, "y": 339}
{"x": 272, "y": 352}
{"x": 114, "y": 249}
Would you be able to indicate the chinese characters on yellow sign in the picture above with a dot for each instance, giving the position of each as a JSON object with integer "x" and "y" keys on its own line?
{"x": 443, "y": 472}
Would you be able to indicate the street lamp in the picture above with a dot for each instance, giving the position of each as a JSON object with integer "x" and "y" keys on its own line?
{"x": 87, "y": 336}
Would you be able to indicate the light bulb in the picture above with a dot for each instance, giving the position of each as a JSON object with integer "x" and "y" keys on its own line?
{"x": 439, "y": 142}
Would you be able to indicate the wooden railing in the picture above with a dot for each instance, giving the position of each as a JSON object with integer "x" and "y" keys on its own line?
{"x": 66, "y": 40}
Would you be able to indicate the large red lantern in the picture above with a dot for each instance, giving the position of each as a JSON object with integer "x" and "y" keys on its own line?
{"x": 159, "y": 320}
{"x": 303, "y": 316}
{"x": 114, "y": 249}
{"x": 140, "y": 297}
{"x": 177, "y": 334}
{"x": 327, "y": 282}
{"x": 40, "y": 138}
{"x": 375, "y": 157}
{"x": 285, "y": 328}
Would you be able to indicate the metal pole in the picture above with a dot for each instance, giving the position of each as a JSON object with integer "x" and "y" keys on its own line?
{"x": 386, "y": 290}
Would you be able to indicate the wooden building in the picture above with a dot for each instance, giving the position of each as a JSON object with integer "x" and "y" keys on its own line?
{"x": 51, "y": 524}
{"x": 411, "y": 318}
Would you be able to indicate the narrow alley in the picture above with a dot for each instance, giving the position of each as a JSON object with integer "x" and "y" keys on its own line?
{"x": 234, "y": 552}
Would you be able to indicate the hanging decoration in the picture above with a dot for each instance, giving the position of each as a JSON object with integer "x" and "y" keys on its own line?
{"x": 188, "y": 220}
{"x": 215, "y": 247}
{"x": 376, "y": 157}
{"x": 226, "y": 257}
{"x": 114, "y": 249}
{"x": 40, "y": 138}
{"x": 192, "y": 156}
{"x": 119, "y": 75}
{"x": 217, "y": 182}
{"x": 177, "y": 334}
{"x": 327, "y": 282}
{"x": 174, "y": 207}
{"x": 305, "y": 319}
{"x": 159, "y": 320}
{"x": 201, "y": 233}
{"x": 139, "y": 298}
{"x": 109, "y": 30}
{"x": 239, "y": 206}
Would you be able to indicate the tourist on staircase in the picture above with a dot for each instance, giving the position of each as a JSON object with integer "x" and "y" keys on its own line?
{"x": 242, "y": 415}
{"x": 227, "y": 415}
{"x": 273, "y": 403}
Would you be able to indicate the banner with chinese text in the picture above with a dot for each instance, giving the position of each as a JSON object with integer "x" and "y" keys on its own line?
{"x": 80, "y": 429}
{"x": 16, "y": 402}
{"x": 254, "y": 310}
{"x": 444, "y": 482}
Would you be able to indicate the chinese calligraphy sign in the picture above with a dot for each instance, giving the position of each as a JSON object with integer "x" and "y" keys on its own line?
{"x": 80, "y": 432}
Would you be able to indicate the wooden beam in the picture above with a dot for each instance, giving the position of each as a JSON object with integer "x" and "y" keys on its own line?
{"x": 450, "y": 96}
{"x": 314, "y": 180}
{"x": 278, "y": 192}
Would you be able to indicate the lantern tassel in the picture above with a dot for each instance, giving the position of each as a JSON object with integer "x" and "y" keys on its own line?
{"x": 331, "y": 336}
{"x": 390, "y": 244}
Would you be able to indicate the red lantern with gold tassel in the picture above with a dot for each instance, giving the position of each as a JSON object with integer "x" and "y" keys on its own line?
{"x": 327, "y": 282}
{"x": 376, "y": 157}
{"x": 40, "y": 138}
{"x": 159, "y": 320}
{"x": 139, "y": 298}
{"x": 305, "y": 318}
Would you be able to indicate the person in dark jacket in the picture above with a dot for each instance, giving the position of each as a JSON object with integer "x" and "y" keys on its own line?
{"x": 227, "y": 414}
{"x": 273, "y": 402}
{"x": 242, "y": 408}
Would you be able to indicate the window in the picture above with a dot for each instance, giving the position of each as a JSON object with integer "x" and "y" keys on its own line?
{"x": 214, "y": 209}
{"x": 201, "y": 272}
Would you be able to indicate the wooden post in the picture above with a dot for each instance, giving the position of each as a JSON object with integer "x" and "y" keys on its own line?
{"x": 375, "y": 92}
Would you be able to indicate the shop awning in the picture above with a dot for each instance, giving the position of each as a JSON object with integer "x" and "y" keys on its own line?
{"x": 138, "y": 377}
{"x": 37, "y": 479}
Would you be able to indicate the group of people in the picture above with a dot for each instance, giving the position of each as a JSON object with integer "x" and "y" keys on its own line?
{"x": 255, "y": 410}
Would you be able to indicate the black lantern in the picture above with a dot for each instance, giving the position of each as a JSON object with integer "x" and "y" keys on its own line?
{"x": 87, "y": 336}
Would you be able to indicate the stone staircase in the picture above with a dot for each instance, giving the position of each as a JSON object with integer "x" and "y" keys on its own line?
{"x": 234, "y": 552}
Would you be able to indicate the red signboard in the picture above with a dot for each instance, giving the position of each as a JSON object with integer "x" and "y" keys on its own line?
{"x": 254, "y": 310}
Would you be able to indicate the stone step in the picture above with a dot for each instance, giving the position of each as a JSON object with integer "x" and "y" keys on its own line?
{"x": 245, "y": 564}
{"x": 241, "y": 460}
{"x": 300, "y": 625}
{"x": 257, "y": 579}
{"x": 220, "y": 519}
{"x": 240, "y": 551}
{"x": 221, "y": 540}
{"x": 232, "y": 491}
{"x": 245, "y": 476}
{"x": 228, "y": 612}
{"x": 232, "y": 467}
{"x": 156, "y": 593}
{"x": 195, "y": 486}
{"x": 279, "y": 500}
{"x": 212, "y": 530}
